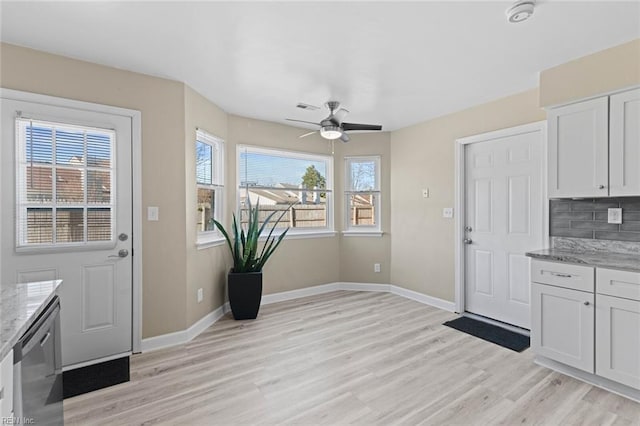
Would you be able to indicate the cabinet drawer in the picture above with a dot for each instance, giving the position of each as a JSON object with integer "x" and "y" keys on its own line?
{"x": 618, "y": 283}
{"x": 575, "y": 277}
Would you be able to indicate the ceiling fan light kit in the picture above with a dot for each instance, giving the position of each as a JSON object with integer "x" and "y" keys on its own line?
{"x": 520, "y": 11}
{"x": 330, "y": 132}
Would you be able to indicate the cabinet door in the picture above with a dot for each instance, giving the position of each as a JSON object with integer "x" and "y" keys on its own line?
{"x": 624, "y": 140}
{"x": 579, "y": 149}
{"x": 562, "y": 325}
{"x": 618, "y": 340}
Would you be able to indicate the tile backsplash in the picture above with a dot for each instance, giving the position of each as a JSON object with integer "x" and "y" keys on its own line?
{"x": 587, "y": 218}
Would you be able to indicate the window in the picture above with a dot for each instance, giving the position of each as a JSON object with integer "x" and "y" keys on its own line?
{"x": 282, "y": 178}
{"x": 65, "y": 184}
{"x": 362, "y": 194}
{"x": 210, "y": 185}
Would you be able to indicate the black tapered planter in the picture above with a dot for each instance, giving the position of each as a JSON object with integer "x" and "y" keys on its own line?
{"x": 245, "y": 294}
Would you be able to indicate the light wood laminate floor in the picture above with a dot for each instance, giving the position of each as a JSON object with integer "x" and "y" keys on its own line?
{"x": 340, "y": 358}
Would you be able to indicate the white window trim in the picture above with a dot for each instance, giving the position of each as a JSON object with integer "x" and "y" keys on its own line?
{"x": 295, "y": 233}
{"x": 207, "y": 239}
{"x": 362, "y": 230}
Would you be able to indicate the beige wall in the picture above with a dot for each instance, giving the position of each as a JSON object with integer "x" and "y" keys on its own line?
{"x": 422, "y": 156}
{"x": 358, "y": 254}
{"x": 604, "y": 71}
{"x": 206, "y": 268}
{"x": 298, "y": 263}
{"x": 163, "y": 178}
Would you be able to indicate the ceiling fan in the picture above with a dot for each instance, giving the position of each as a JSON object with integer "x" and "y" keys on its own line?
{"x": 333, "y": 127}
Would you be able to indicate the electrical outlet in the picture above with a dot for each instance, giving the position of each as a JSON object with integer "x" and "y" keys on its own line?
{"x": 615, "y": 216}
{"x": 376, "y": 267}
{"x": 200, "y": 295}
{"x": 447, "y": 212}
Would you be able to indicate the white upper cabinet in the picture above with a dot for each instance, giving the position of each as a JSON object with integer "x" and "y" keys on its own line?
{"x": 594, "y": 147}
{"x": 578, "y": 149}
{"x": 624, "y": 143}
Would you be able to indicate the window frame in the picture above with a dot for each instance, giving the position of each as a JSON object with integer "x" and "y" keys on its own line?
{"x": 302, "y": 232}
{"x": 362, "y": 230}
{"x": 21, "y": 203}
{"x": 211, "y": 238}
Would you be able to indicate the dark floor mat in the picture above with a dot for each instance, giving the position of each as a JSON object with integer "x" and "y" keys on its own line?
{"x": 94, "y": 377}
{"x": 491, "y": 333}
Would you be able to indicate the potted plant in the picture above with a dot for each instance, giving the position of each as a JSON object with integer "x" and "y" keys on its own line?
{"x": 244, "y": 281}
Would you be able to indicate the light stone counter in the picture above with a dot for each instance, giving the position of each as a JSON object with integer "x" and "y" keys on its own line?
{"x": 625, "y": 262}
{"x": 20, "y": 305}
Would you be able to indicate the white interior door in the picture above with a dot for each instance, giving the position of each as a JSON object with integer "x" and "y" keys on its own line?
{"x": 68, "y": 174}
{"x": 504, "y": 206}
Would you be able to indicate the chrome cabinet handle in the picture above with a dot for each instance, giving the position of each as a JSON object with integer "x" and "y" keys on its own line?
{"x": 121, "y": 253}
{"x": 557, "y": 274}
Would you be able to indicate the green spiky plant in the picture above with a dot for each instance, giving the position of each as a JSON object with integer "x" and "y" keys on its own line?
{"x": 247, "y": 257}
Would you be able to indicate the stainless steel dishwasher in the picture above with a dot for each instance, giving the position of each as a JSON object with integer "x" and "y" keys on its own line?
{"x": 38, "y": 370}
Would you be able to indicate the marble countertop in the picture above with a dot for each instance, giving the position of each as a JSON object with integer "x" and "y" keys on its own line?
{"x": 622, "y": 261}
{"x": 20, "y": 305}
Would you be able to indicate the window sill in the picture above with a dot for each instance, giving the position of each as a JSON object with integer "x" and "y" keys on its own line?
{"x": 208, "y": 243}
{"x": 362, "y": 233}
{"x": 303, "y": 235}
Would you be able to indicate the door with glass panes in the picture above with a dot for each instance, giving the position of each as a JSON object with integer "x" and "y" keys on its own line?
{"x": 68, "y": 174}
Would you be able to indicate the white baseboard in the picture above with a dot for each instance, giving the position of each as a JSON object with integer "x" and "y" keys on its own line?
{"x": 423, "y": 298}
{"x": 268, "y": 299}
{"x": 184, "y": 336}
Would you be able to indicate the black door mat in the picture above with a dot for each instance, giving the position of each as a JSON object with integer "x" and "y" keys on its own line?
{"x": 491, "y": 333}
{"x": 94, "y": 377}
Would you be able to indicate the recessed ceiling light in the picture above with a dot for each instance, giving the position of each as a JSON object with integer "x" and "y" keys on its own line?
{"x": 520, "y": 11}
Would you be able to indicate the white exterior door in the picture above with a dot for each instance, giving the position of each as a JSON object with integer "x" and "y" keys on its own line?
{"x": 68, "y": 174}
{"x": 504, "y": 219}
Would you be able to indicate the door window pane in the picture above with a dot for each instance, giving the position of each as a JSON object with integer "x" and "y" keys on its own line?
{"x": 99, "y": 225}
{"x": 69, "y": 225}
{"x": 39, "y": 226}
{"x": 38, "y": 184}
{"x": 98, "y": 187}
{"x": 69, "y": 186}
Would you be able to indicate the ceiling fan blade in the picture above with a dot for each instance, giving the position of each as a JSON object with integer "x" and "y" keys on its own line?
{"x": 303, "y": 121}
{"x": 356, "y": 126}
{"x": 307, "y": 134}
{"x": 345, "y": 137}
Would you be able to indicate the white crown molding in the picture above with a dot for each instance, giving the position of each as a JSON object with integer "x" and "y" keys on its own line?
{"x": 184, "y": 336}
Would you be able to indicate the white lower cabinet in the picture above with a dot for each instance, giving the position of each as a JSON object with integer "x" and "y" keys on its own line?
{"x": 596, "y": 331}
{"x": 618, "y": 339}
{"x": 562, "y": 326}
{"x": 6, "y": 386}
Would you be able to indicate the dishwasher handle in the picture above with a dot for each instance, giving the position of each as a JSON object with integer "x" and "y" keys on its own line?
{"x": 36, "y": 334}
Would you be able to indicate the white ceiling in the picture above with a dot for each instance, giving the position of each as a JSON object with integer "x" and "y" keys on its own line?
{"x": 391, "y": 63}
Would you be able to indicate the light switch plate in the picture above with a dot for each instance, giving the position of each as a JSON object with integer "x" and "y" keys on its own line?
{"x": 425, "y": 193}
{"x": 615, "y": 216}
{"x": 153, "y": 213}
{"x": 447, "y": 212}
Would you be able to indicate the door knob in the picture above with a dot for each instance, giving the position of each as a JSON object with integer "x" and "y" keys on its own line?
{"x": 601, "y": 187}
{"x": 468, "y": 228}
{"x": 121, "y": 253}
{"x": 467, "y": 241}
{"x": 586, "y": 303}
